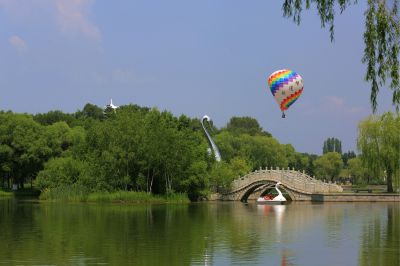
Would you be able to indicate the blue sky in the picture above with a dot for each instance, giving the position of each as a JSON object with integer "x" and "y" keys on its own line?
{"x": 189, "y": 57}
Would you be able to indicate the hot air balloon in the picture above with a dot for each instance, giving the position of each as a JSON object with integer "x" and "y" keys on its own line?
{"x": 286, "y": 87}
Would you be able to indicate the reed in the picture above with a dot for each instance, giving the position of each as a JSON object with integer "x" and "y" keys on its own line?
{"x": 73, "y": 193}
{"x": 136, "y": 197}
{"x": 76, "y": 193}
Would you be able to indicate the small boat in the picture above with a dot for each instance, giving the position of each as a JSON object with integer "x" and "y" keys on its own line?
{"x": 270, "y": 199}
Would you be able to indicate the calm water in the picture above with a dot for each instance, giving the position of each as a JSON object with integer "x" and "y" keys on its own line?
{"x": 199, "y": 234}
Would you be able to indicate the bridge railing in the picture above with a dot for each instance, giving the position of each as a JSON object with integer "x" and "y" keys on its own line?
{"x": 292, "y": 179}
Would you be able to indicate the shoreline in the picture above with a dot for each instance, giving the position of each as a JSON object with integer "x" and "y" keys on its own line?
{"x": 357, "y": 197}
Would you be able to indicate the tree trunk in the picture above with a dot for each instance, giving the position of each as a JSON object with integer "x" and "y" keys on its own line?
{"x": 151, "y": 182}
{"x": 147, "y": 180}
{"x": 389, "y": 180}
{"x": 166, "y": 184}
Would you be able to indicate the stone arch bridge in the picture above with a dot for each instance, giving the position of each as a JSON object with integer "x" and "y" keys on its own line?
{"x": 298, "y": 185}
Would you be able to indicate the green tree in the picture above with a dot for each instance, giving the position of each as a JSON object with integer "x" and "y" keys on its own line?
{"x": 347, "y": 156}
{"x": 356, "y": 170}
{"x": 52, "y": 117}
{"x": 381, "y": 39}
{"x": 309, "y": 167}
{"x": 24, "y": 143}
{"x": 329, "y": 165}
{"x": 197, "y": 182}
{"x": 146, "y": 150}
{"x": 296, "y": 160}
{"x": 221, "y": 177}
{"x": 91, "y": 111}
{"x": 379, "y": 142}
{"x": 240, "y": 166}
{"x": 332, "y": 145}
{"x": 258, "y": 151}
{"x": 60, "y": 172}
{"x": 245, "y": 125}
{"x": 228, "y": 144}
{"x": 6, "y": 154}
{"x": 112, "y": 150}
{"x": 263, "y": 151}
{"x": 60, "y": 137}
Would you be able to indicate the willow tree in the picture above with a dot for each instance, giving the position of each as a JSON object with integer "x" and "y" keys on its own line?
{"x": 381, "y": 39}
{"x": 379, "y": 142}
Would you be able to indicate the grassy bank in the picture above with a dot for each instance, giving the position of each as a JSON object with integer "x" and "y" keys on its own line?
{"x": 132, "y": 197}
{"x": 79, "y": 194}
{"x": 5, "y": 194}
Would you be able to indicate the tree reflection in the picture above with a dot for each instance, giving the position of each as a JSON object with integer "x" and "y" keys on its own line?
{"x": 381, "y": 239}
{"x": 198, "y": 234}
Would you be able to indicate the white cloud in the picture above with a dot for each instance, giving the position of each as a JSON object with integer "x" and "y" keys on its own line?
{"x": 18, "y": 43}
{"x": 70, "y": 16}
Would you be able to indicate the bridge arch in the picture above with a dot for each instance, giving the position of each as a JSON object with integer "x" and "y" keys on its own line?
{"x": 268, "y": 185}
{"x": 298, "y": 186}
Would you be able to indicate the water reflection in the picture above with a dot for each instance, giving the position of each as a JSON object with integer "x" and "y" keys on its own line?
{"x": 277, "y": 213}
{"x": 199, "y": 234}
{"x": 381, "y": 237}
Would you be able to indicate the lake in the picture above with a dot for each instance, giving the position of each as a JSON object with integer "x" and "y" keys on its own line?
{"x": 210, "y": 233}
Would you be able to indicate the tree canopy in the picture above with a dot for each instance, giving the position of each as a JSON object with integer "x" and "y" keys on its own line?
{"x": 332, "y": 145}
{"x": 379, "y": 142}
{"x": 245, "y": 125}
{"x": 135, "y": 148}
{"x": 329, "y": 165}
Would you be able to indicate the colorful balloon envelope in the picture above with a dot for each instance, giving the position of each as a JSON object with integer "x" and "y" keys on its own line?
{"x": 286, "y": 87}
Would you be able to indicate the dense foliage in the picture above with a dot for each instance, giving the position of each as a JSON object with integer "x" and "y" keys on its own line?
{"x": 329, "y": 165}
{"x": 134, "y": 148}
{"x": 145, "y": 150}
